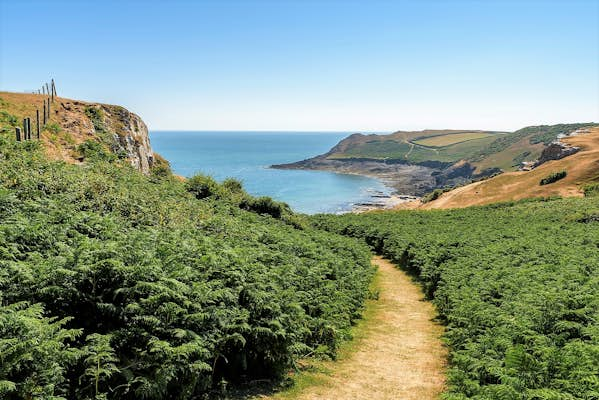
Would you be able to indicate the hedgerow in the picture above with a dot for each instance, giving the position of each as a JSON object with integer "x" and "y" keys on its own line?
{"x": 120, "y": 286}
{"x": 516, "y": 284}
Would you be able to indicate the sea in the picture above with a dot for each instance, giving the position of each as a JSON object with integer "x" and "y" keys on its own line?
{"x": 247, "y": 156}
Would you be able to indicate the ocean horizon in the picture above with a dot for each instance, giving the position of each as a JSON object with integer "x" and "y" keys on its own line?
{"x": 248, "y": 155}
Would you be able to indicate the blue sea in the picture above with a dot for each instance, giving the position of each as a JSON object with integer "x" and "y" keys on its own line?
{"x": 247, "y": 156}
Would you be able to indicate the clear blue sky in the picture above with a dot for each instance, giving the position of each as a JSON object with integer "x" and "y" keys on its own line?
{"x": 313, "y": 65}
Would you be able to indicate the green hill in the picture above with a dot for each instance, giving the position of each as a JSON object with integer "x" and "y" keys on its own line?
{"x": 418, "y": 162}
{"x": 483, "y": 148}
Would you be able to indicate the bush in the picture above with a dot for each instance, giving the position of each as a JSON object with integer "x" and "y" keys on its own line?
{"x": 201, "y": 186}
{"x": 554, "y": 177}
{"x": 591, "y": 189}
{"x": 263, "y": 205}
{"x": 94, "y": 151}
{"x": 434, "y": 195}
{"x": 232, "y": 185}
{"x": 53, "y": 127}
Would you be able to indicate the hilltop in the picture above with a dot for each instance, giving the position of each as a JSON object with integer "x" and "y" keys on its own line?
{"x": 418, "y": 162}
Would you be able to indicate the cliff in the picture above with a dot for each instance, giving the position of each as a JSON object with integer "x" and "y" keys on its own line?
{"x": 74, "y": 122}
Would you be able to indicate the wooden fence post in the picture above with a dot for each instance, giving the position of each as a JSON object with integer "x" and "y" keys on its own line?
{"x": 53, "y": 89}
{"x": 18, "y": 132}
{"x": 24, "y": 128}
{"x": 44, "y": 113}
{"x": 28, "y": 128}
{"x": 48, "y": 109}
{"x": 37, "y": 122}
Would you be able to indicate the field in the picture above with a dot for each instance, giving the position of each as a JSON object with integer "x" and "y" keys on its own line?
{"x": 516, "y": 284}
{"x": 447, "y": 140}
{"x": 396, "y": 149}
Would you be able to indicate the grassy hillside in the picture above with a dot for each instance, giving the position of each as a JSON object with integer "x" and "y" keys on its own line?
{"x": 118, "y": 285}
{"x": 582, "y": 168}
{"x": 517, "y": 285}
{"x": 431, "y": 145}
{"x": 485, "y": 150}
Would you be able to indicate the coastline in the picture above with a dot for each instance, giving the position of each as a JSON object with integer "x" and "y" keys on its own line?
{"x": 381, "y": 201}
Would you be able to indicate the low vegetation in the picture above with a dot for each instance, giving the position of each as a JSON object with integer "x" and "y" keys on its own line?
{"x": 114, "y": 285}
{"x": 553, "y": 177}
{"x": 517, "y": 285}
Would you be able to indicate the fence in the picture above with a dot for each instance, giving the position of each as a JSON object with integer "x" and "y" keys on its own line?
{"x": 49, "y": 91}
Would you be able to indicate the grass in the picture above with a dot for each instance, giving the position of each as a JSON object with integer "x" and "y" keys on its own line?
{"x": 447, "y": 140}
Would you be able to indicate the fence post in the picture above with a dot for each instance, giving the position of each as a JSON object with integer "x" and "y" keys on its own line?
{"x": 53, "y": 88}
{"x": 24, "y": 128}
{"x": 18, "y": 132}
{"x": 28, "y": 128}
{"x": 37, "y": 122}
{"x": 48, "y": 109}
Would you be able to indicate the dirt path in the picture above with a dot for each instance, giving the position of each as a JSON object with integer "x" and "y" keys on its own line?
{"x": 398, "y": 353}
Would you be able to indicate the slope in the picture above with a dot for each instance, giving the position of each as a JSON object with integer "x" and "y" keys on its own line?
{"x": 581, "y": 168}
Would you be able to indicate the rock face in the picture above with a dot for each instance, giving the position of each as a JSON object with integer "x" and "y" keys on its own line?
{"x": 130, "y": 136}
{"x": 122, "y": 131}
{"x": 556, "y": 151}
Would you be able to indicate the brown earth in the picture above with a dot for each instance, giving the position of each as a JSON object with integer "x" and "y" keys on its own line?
{"x": 582, "y": 167}
{"x": 398, "y": 355}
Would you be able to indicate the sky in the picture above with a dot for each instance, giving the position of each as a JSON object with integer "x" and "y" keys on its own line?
{"x": 372, "y": 66}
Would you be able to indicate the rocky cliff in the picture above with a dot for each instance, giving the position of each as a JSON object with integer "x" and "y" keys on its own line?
{"x": 122, "y": 131}
{"x": 73, "y": 122}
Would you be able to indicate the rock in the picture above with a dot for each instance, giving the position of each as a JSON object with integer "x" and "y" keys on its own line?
{"x": 130, "y": 136}
{"x": 555, "y": 151}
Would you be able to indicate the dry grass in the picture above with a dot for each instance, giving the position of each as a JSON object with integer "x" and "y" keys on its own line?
{"x": 449, "y": 139}
{"x": 396, "y": 353}
{"x": 582, "y": 167}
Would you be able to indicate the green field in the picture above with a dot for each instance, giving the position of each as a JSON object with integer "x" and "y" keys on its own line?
{"x": 447, "y": 140}
{"x": 397, "y": 150}
{"x": 517, "y": 286}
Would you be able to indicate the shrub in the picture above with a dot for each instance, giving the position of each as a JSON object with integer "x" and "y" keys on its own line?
{"x": 263, "y": 205}
{"x": 591, "y": 189}
{"x": 201, "y": 186}
{"x": 233, "y": 185}
{"x": 554, "y": 177}
{"x": 94, "y": 151}
{"x": 53, "y": 127}
{"x": 434, "y": 195}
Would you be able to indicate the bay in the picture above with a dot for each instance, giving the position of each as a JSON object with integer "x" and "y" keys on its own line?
{"x": 247, "y": 156}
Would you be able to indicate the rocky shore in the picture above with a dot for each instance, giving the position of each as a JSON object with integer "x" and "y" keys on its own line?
{"x": 381, "y": 201}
